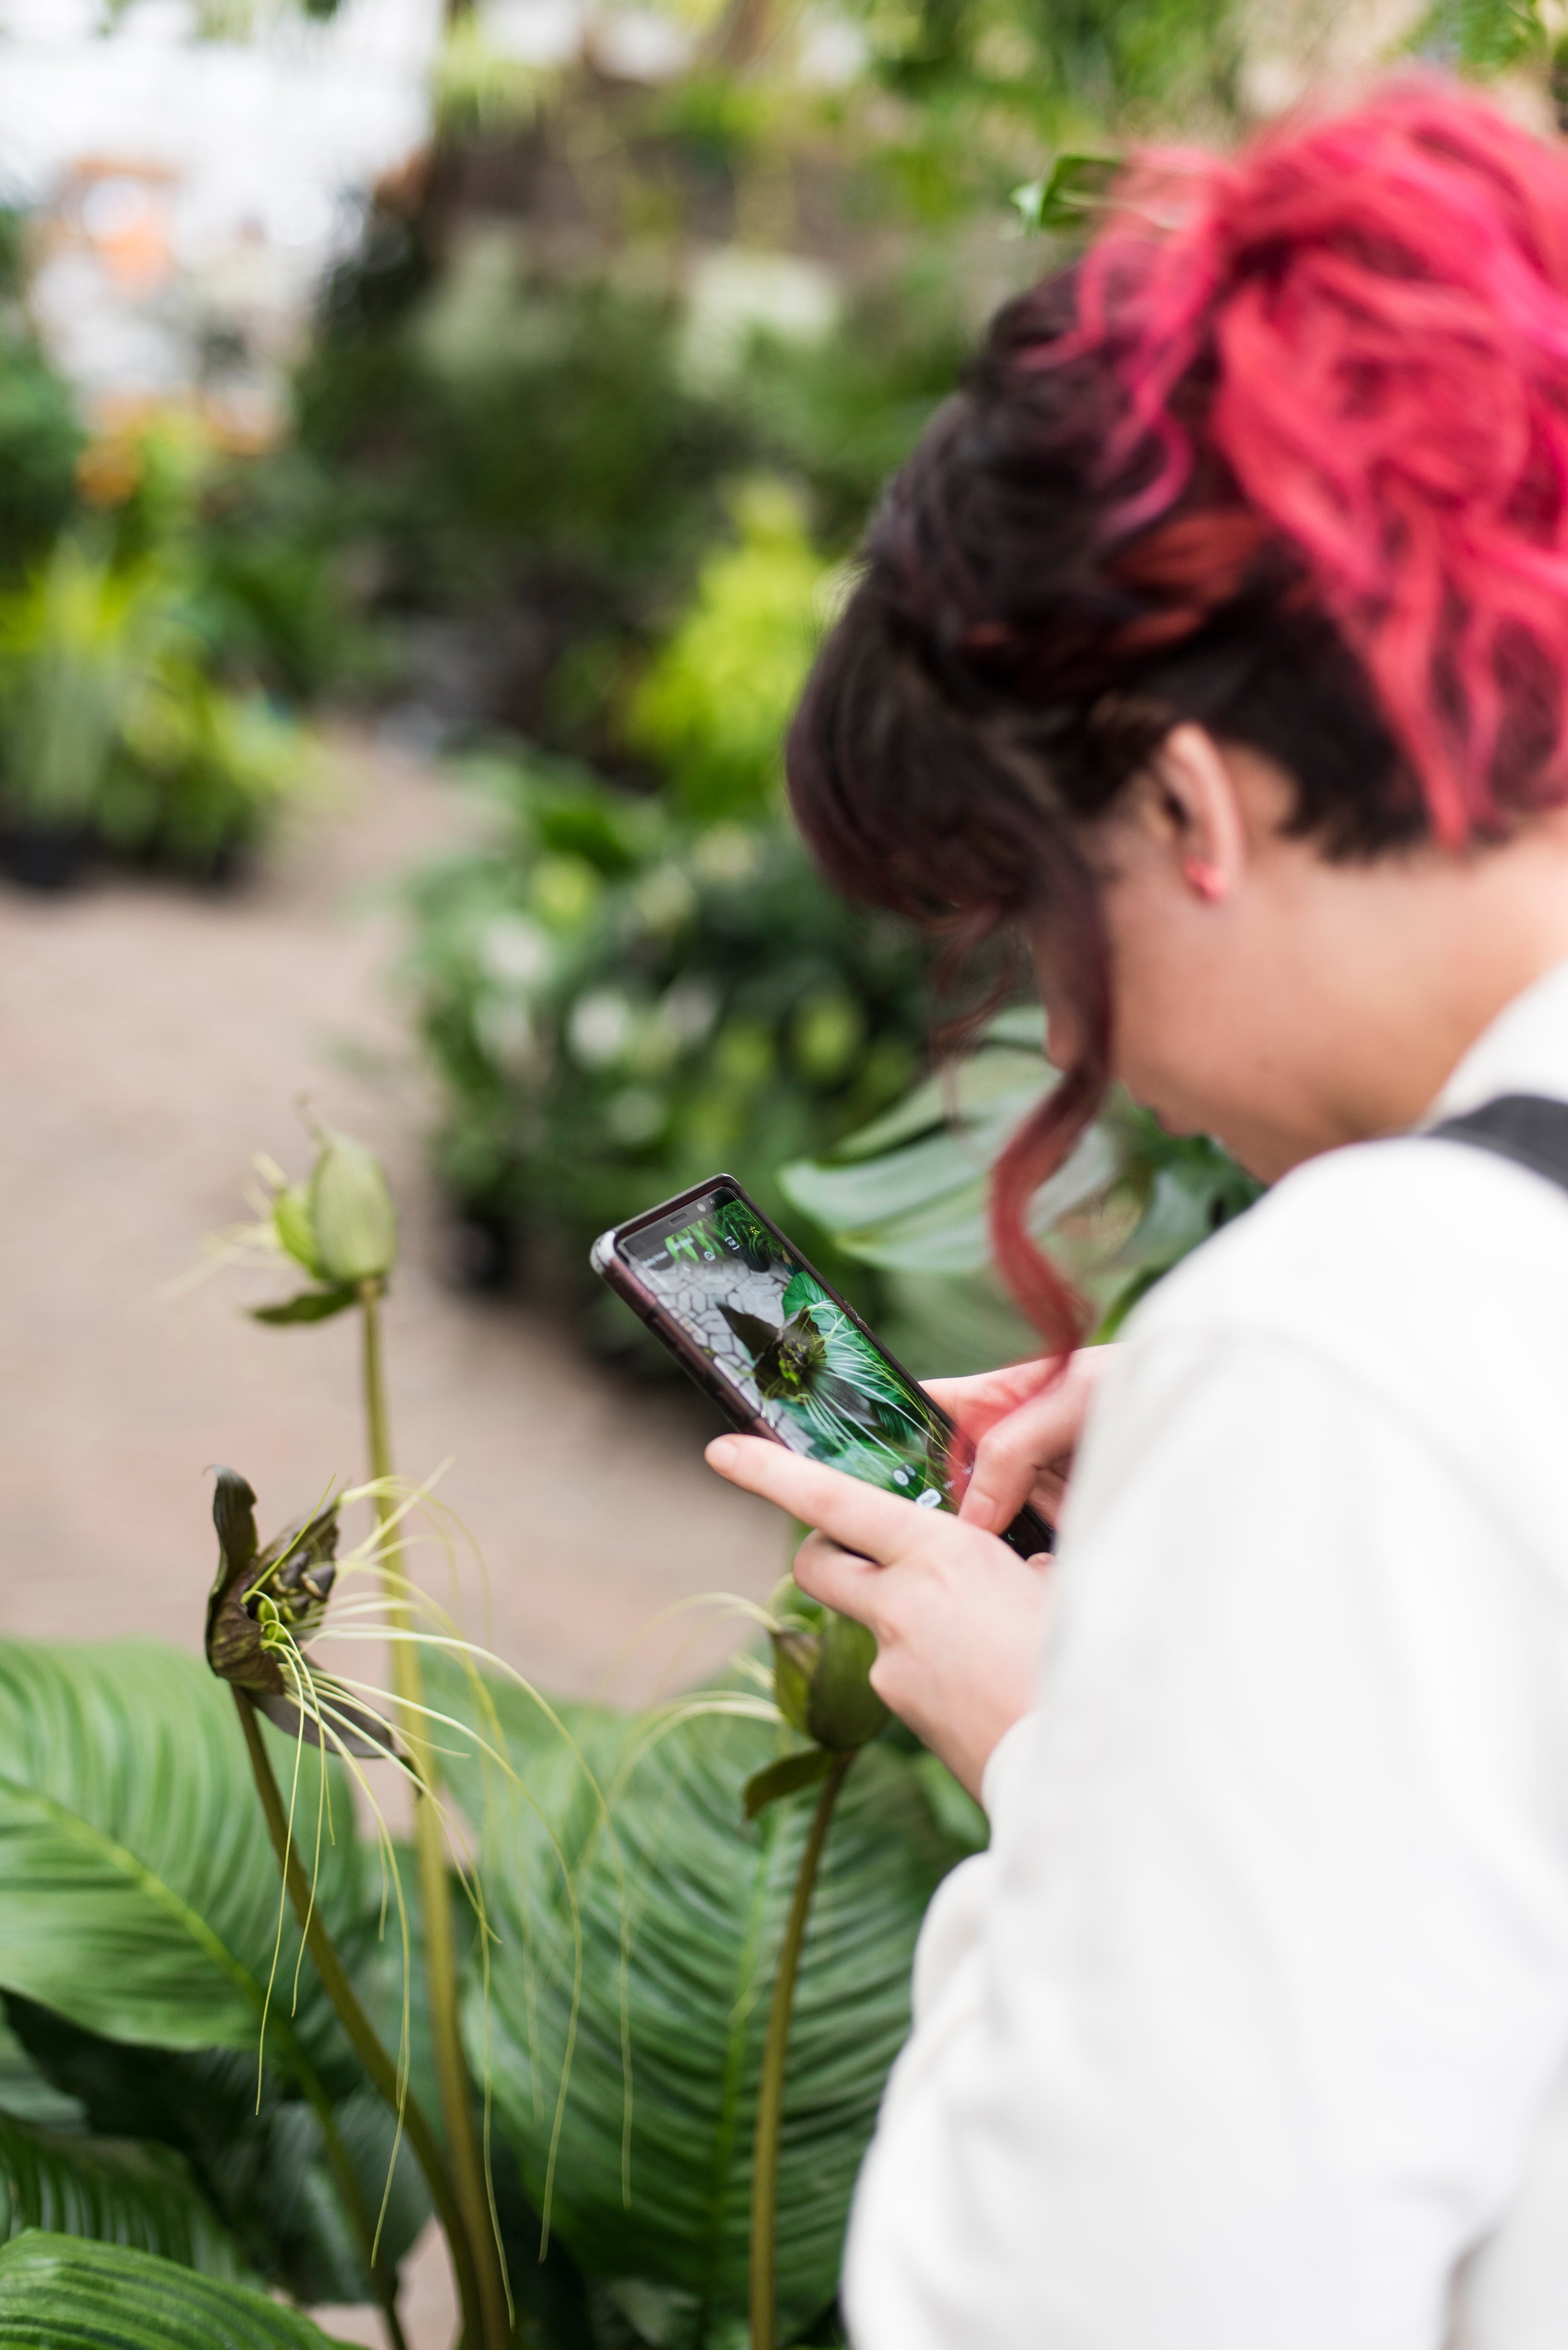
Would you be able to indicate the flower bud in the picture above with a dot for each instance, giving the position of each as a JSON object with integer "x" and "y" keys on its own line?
{"x": 795, "y": 1655}
{"x": 352, "y": 1219}
{"x": 822, "y": 1674}
{"x": 845, "y": 1710}
{"x": 295, "y": 1232}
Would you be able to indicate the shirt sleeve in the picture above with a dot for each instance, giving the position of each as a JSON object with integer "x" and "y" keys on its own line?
{"x": 1237, "y": 2036}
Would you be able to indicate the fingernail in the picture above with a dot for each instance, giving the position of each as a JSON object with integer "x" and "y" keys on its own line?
{"x": 721, "y": 1454}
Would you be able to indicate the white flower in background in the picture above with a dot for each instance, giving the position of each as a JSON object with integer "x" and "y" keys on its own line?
{"x": 639, "y": 44}
{"x": 727, "y": 854}
{"x": 664, "y": 899}
{"x": 635, "y": 1115}
{"x": 831, "y": 54}
{"x": 514, "y": 951}
{"x": 666, "y": 1030}
{"x": 734, "y": 293}
{"x": 535, "y": 32}
{"x": 689, "y": 1011}
{"x": 599, "y": 1028}
{"x": 507, "y": 1037}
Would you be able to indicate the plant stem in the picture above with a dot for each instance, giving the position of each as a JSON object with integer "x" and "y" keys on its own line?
{"x": 495, "y": 2330}
{"x": 352, "y": 2195}
{"x": 383, "y": 2282}
{"x": 775, "y": 2049}
{"x": 362, "y": 2031}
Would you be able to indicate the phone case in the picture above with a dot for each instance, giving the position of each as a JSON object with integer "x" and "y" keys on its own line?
{"x": 1029, "y": 1533}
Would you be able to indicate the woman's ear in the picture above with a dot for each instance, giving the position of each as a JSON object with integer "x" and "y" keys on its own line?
{"x": 1191, "y": 802}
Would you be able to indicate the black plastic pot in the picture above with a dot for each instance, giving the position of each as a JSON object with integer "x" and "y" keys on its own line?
{"x": 482, "y": 1251}
{"x": 47, "y": 857}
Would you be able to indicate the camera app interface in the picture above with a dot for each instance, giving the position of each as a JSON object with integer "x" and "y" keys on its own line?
{"x": 771, "y": 1328}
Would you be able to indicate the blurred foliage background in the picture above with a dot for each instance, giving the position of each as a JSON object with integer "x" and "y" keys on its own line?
{"x": 590, "y": 415}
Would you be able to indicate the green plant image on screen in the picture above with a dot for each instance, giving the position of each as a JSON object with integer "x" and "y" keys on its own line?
{"x": 769, "y": 1327}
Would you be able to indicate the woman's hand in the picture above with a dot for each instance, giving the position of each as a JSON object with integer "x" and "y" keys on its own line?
{"x": 1025, "y": 1424}
{"x": 958, "y": 1617}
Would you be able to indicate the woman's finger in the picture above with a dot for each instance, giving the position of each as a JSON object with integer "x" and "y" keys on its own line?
{"x": 877, "y": 1525}
{"x": 1010, "y": 1458}
{"x": 825, "y": 1570}
{"x": 952, "y": 1395}
{"x": 975, "y": 1402}
{"x": 1028, "y": 1450}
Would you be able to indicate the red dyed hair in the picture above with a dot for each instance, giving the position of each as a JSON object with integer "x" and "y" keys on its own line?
{"x": 1286, "y": 454}
{"x": 1380, "y": 302}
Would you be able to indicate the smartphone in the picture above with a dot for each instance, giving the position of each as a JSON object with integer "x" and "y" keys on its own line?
{"x": 778, "y": 1349}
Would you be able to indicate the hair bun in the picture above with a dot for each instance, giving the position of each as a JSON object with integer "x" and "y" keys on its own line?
{"x": 1366, "y": 317}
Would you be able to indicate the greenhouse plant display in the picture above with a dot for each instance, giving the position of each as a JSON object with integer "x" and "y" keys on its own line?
{"x": 620, "y": 999}
{"x": 625, "y": 989}
{"x": 113, "y": 732}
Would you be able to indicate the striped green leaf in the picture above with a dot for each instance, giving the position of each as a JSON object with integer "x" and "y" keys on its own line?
{"x": 139, "y": 1920}
{"x": 113, "y": 2189}
{"x": 702, "y": 1894}
{"x": 253, "y": 2149}
{"x": 61, "y": 2293}
{"x": 138, "y": 1895}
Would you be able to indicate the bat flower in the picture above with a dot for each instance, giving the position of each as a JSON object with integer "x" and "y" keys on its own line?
{"x": 265, "y": 1605}
{"x": 790, "y": 1365}
{"x": 786, "y": 1363}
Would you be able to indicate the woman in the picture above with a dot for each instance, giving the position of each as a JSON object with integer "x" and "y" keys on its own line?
{"x": 1213, "y": 641}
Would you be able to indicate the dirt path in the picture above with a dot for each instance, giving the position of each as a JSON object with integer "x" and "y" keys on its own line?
{"x": 152, "y": 1040}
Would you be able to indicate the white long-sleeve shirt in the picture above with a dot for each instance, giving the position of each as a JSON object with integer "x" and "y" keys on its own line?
{"x": 1251, "y": 2030}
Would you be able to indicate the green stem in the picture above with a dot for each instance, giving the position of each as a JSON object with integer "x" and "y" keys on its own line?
{"x": 775, "y": 2050}
{"x": 352, "y": 2195}
{"x": 494, "y": 2328}
{"x": 362, "y": 2031}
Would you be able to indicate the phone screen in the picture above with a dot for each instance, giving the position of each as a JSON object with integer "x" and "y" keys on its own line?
{"x": 765, "y": 1323}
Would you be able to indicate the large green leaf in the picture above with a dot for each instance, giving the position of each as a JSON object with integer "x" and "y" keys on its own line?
{"x": 1008, "y": 1062}
{"x": 702, "y": 1895}
{"x": 112, "y": 2189}
{"x": 910, "y": 1193}
{"x": 26, "y": 2094}
{"x": 138, "y": 1895}
{"x": 253, "y": 2148}
{"x": 139, "y": 1912}
{"x": 61, "y": 2293}
{"x": 922, "y": 1208}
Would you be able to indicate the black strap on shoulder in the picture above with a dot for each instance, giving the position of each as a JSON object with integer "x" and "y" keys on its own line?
{"x": 1526, "y": 1128}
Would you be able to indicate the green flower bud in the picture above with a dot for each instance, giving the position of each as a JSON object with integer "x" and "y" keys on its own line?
{"x": 795, "y": 1661}
{"x": 822, "y": 1674}
{"x": 351, "y": 1215}
{"x": 845, "y": 1710}
{"x": 295, "y": 1232}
